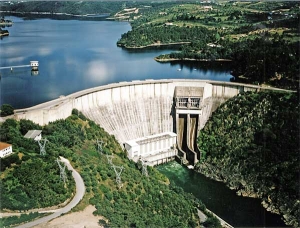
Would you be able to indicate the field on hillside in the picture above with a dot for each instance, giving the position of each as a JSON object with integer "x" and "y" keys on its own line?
{"x": 260, "y": 38}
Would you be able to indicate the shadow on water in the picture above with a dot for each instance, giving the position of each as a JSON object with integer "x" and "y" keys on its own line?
{"x": 168, "y": 48}
{"x": 236, "y": 210}
{"x": 90, "y": 17}
{"x": 205, "y": 66}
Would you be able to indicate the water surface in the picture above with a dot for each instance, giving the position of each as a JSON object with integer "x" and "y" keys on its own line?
{"x": 236, "y": 210}
{"x": 79, "y": 54}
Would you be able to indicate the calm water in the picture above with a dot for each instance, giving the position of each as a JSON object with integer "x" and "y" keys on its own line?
{"x": 76, "y": 55}
{"x": 237, "y": 211}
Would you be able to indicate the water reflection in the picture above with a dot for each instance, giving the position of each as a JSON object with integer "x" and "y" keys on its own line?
{"x": 99, "y": 72}
{"x": 34, "y": 72}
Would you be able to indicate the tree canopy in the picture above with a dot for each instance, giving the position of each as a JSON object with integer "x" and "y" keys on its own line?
{"x": 6, "y": 110}
{"x": 252, "y": 144}
{"x": 30, "y": 180}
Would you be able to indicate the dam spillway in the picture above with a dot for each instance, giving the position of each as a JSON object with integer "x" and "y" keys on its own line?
{"x": 131, "y": 110}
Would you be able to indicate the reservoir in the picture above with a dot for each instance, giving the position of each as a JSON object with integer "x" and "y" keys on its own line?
{"x": 75, "y": 55}
{"x": 236, "y": 210}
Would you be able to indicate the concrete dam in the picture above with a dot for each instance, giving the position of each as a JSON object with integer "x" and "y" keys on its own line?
{"x": 145, "y": 110}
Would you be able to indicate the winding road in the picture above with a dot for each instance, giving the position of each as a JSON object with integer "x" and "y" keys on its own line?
{"x": 80, "y": 190}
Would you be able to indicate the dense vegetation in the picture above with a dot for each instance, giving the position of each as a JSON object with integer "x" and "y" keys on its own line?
{"x": 148, "y": 35}
{"x": 15, "y": 220}
{"x": 142, "y": 201}
{"x": 69, "y": 7}
{"x": 6, "y": 110}
{"x": 258, "y": 60}
{"x": 260, "y": 38}
{"x": 29, "y": 180}
{"x": 251, "y": 143}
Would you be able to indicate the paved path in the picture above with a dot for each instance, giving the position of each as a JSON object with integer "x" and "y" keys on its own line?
{"x": 80, "y": 190}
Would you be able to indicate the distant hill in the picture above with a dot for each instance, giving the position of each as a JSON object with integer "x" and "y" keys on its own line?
{"x": 69, "y": 7}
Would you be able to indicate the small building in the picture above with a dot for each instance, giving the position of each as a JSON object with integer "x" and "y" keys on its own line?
{"x": 34, "y": 134}
{"x": 34, "y": 65}
{"x": 5, "y": 149}
{"x": 152, "y": 148}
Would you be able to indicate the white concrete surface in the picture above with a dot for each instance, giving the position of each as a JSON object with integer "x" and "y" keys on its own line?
{"x": 130, "y": 110}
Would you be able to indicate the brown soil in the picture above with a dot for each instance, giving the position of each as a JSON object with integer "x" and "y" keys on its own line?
{"x": 79, "y": 219}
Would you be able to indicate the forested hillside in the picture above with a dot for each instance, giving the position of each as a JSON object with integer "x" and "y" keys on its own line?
{"x": 148, "y": 35}
{"x": 29, "y": 180}
{"x": 251, "y": 142}
{"x": 69, "y": 7}
{"x": 260, "y": 38}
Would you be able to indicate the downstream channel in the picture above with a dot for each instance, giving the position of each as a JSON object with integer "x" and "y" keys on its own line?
{"x": 236, "y": 210}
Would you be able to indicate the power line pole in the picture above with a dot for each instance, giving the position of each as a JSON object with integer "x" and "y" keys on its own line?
{"x": 109, "y": 159}
{"x": 99, "y": 146}
{"x": 144, "y": 168}
{"x": 42, "y": 144}
{"x": 118, "y": 171}
{"x": 62, "y": 167}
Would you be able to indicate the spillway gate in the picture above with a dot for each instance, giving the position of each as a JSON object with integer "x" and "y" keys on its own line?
{"x": 188, "y": 109}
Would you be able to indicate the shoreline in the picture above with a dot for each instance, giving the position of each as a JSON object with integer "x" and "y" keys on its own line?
{"x": 248, "y": 194}
{"x": 103, "y": 15}
{"x": 154, "y": 45}
{"x": 189, "y": 59}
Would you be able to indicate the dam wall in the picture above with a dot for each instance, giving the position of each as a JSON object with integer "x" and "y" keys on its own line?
{"x": 130, "y": 110}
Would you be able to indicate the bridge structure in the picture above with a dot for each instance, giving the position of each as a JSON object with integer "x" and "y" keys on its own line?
{"x": 12, "y": 67}
{"x": 144, "y": 109}
{"x": 33, "y": 64}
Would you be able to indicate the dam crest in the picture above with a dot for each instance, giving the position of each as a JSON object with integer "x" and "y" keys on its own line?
{"x": 139, "y": 109}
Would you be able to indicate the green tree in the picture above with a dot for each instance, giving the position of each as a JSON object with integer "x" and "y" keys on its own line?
{"x": 6, "y": 110}
{"x": 27, "y": 125}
